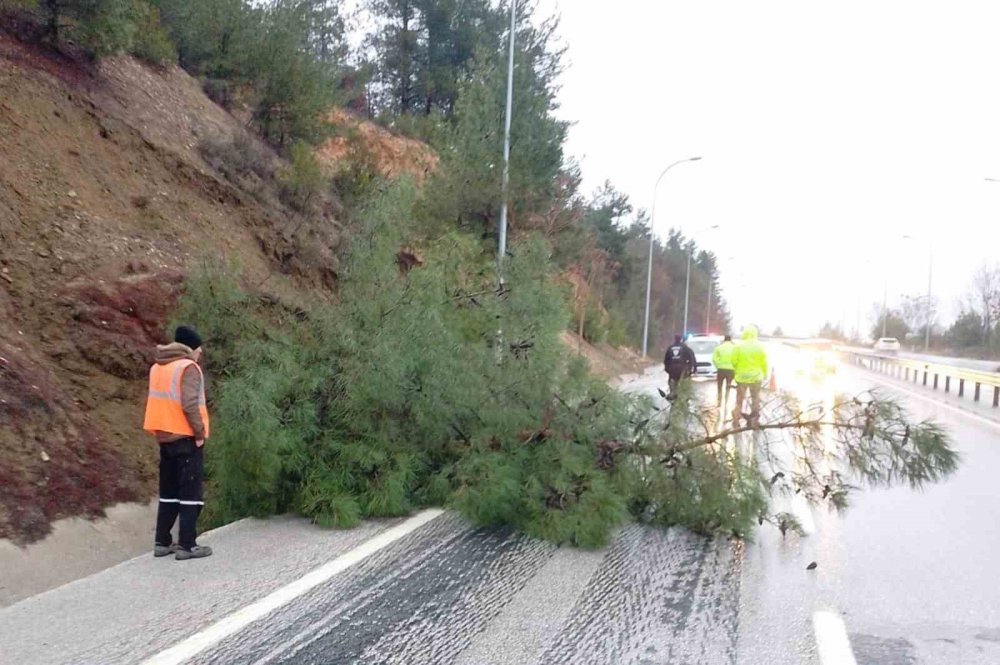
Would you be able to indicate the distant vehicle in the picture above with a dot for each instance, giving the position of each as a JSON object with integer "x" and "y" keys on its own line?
{"x": 887, "y": 345}
{"x": 703, "y": 344}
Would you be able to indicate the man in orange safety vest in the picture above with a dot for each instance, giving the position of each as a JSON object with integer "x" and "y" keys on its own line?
{"x": 177, "y": 415}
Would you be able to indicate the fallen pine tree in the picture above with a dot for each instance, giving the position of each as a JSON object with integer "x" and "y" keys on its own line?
{"x": 393, "y": 399}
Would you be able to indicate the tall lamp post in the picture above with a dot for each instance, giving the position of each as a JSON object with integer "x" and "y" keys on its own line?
{"x": 502, "y": 228}
{"x": 649, "y": 266}
{"x": 502, "y": 231}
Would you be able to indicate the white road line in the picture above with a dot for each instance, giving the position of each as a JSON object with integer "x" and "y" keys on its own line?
{"x": 936, "y": 402}
{"x": 831, "y": 639}
{"x": 242, "y": 618}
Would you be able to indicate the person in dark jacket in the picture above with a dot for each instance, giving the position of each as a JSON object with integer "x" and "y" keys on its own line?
{"x": 679, "y": 363}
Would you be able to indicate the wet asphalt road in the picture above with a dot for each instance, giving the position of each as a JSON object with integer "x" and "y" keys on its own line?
{"x": 435, "y": 598}
{"x": 913, "y": 575}
{"x": 966, "y": 363}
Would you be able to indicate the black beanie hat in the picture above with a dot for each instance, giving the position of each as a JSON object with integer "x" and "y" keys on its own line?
{"x": 187, "y": 336}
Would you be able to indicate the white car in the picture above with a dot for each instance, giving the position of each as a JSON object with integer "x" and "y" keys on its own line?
{"x": 703, "y": 346}
{"x": 887, "y": 345}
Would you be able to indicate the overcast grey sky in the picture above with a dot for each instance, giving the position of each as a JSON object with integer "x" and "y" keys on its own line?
{"x": 828, "y": 131}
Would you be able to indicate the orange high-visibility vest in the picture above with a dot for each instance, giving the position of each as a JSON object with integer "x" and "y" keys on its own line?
{"x": 164, "y": 410}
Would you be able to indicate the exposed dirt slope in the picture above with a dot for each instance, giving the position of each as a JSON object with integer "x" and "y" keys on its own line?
{"x": 604, "y": 359}
{"x": 392, "y": 155}
{"x": 105, "y": 205}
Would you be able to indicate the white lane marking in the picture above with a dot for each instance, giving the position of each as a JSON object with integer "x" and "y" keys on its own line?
{"x": 242, "y": 618}
{"x": 831, "y": 639}
{"x": 930, "y": 400}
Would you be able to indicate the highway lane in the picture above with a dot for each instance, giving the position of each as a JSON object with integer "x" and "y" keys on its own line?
{"x": 965, "y": 363}
{"x": 912, "y": 575}
{"x": 905, "y": 577}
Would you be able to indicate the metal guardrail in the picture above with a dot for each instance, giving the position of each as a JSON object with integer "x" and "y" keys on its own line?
{"x": 926, "y": 373}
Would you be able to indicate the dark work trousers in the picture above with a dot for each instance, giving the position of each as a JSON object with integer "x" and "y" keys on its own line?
{"x": 674, "y": 376}
{"x": 181, "y": 465}
{"x": 724, "y": 377}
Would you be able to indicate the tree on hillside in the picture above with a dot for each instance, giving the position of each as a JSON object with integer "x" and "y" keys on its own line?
{"x": 102, "y": 27}
{"x": 327, "y": 30}
{"x": 606, "y": 218}
{"x": 286, "y": 56}
{"x": 397, "y": 44}
{"x": 831, "y": 331}
{"x": 455, "y": 30}
{"x": 424, "y": 48}
{"x": 984, "y": 298}
{"x": 966, "y": 331}
{"x": 914, "y": 311}
{"x": 895, "y": 325}
{"x": 595, "y": 268}
{"x": 296, "y": 86}
{"x": 217, "y": 39}
{"x": 468, "y": 186}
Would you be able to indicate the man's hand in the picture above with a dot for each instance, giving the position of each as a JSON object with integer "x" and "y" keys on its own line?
{"x": 199, "y": 442}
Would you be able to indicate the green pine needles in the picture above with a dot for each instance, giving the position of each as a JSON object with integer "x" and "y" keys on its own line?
{"x": 392, "y": 399}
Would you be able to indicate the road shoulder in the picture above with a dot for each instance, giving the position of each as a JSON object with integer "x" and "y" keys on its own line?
{"x": 146, "y": 604}
{"x": 76, "y": 548}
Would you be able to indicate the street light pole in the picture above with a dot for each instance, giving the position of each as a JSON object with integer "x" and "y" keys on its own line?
{"x": 708, "y": 308}
{"x": 502, "y": 239}
{"x": 687, "y": 288}
{"x": 505, "y": 192}
{"x": 649, "y": 266}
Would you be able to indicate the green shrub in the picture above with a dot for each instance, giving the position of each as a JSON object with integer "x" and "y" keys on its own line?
{"x": 301, "y": 182}
{"x": 219, "y": 91}
{"x": 242, "y": 160}
{"x": 150, "y": 42}
{"x": 356, "y": 180}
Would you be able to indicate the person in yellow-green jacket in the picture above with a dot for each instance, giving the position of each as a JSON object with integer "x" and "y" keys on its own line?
{"x": 750, "y": 371}
{"x": 722, "y": 358}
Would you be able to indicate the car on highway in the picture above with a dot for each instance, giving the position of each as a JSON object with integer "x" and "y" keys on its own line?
{"x": 703, "y": 344}
{"x": 887, "y": 345}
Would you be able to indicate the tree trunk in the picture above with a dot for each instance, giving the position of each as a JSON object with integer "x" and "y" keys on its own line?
{"x": 406, "y": 62}
{"x": 52, "y": 31}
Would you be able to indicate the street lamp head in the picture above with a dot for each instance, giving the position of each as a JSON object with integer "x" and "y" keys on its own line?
{"x": 694, "y": 159}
